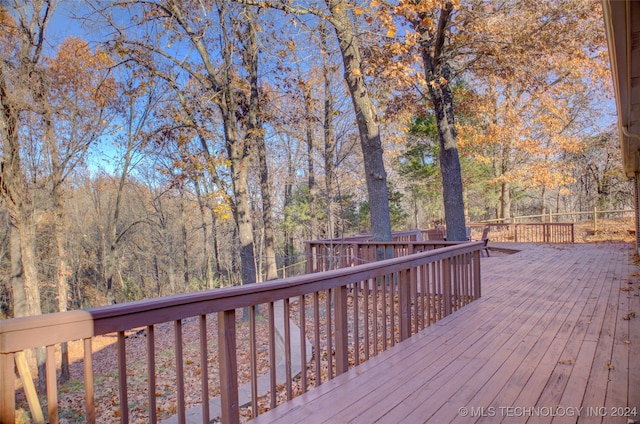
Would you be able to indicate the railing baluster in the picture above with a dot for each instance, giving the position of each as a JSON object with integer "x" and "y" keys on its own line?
{"x": 404, "y": 303}
{"x": 365, "y": 303}
{"x": 341, "y": 329}
{"x": 356, "y": 321}
{"x": 393, "y": 279}
{"x": 228, "y": 366}
{"x": 374, "y": 306}
{"x": 303, "y": 343}
{"x": 287, "y": 349}
{"x": 89, "y": 394}
{"x": 446, "y": 285}
{"x": 272, "y": 355}
{"x": 254, "y": 360}
{"x": 316, "y": 342}
{"x": 179, "y": 371}
{"x": 476, "y": 275}
{"x": 122, "y": 378}
{"x": 151, "y": 373}
{"x": 383, "y": 302}
{"x": 434, "y": 298}
{"x": 52, "y": 385}
{"x": 328, "y": 314}
{"x": 204, "y": 369}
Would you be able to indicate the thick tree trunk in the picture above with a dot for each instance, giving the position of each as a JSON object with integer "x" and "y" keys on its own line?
{"x": 267, "y": 213}
{"x": 237, "y": 150}
{"x": 63, "y": 275}
{"x": 311, "y": 174}
{"x": 449, "y": 163}
{"x": 17, "y": 283}
{"x": 367, "y": 120}
{"x": 256, "y": 134}
{"x": 21, "y": 212}
{"x": 437, "y": 75}
{"x": 505, "y": 202}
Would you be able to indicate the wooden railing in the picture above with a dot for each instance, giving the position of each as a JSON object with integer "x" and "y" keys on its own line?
{"x": 325, "y": 255}
{"x": 531, "y": 232}
{"x": 348, "y": 315}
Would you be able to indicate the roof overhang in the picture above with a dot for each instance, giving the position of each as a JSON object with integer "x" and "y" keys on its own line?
{"x": 622, "y": 23}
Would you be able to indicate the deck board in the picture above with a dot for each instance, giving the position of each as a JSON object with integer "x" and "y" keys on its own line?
{"x": 548, "y": 332}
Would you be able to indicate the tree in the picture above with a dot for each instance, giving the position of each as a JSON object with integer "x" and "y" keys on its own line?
{"x": 339, "y": 17}
{"x": 529, "y": 117}
{"x": 76, "y": 103}
{"x": 225, "y": 86}
{"x": 21, "y": 78}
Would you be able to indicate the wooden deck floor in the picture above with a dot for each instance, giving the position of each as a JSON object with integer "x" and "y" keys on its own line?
{"x": 555, "y": 338}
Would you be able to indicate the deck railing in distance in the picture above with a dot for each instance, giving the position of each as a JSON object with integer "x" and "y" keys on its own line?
{"x": 529, "y": 232}
{"x": 325, "y": 255}
{"x": 348, "y": 315}
{"x": 328, "y": 254}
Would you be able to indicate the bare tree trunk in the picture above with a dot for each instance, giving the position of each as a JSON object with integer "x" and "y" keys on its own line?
{"x": 288, "y": 199}
{"x": 14, "y": 192}
{"x": 185, "y": 247}
{"x": 63, "y": 284}
{"x": 256, "y": 133}
{"x": 208, "y": 269}
{"x": 329, "y": 137}
{"x": 438, "y": 76}
{"x": 367, "y": 120}
{"x": 17, "y": 284}
{"x": 505, "y": 202}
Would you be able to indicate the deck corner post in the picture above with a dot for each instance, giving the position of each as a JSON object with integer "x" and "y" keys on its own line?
{"x": 7, "y": 388}
{"x": 228, "y": 366}
{"x": 341, "y": 329}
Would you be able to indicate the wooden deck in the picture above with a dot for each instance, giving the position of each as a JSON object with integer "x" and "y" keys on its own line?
{"x": 554, "y": 338}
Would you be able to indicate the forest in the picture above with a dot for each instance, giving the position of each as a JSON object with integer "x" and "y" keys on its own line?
{"x": 164, "y": 146}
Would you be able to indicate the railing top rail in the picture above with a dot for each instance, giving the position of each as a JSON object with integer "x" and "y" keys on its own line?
{"x": 86, "y": 323}
{"x": 401, "y": 243}
{"x": 494, "y": 224}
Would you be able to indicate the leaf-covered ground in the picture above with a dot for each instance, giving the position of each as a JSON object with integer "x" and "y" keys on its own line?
{"x": 71, "y": 394}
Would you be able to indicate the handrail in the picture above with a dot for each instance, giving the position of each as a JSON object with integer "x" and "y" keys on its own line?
{"x": 443, "y": 280}
{"x": 530, "y": 232}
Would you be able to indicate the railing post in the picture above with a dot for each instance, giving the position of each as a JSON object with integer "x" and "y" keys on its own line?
{"x": 477, "y": 286}
{"x": 404, "y": 295}
{"x": 228, "y": 366}
{"x": 573, "y": 239}
{"x": 342, "y": 329}
{"x": 309, "y": 255}
{"x": 446, "y": 285}
{"x": 7, "y": 388}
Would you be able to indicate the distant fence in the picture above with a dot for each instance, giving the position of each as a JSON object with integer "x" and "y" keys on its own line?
{"x": 529, "y": 232}
{"x": 593, "y": 215}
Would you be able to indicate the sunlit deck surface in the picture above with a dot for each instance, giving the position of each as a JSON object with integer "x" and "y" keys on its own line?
{"x": 557, "y": 329}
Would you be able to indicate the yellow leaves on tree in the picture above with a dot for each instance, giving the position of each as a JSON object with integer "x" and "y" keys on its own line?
{"x": 78, "y": 70}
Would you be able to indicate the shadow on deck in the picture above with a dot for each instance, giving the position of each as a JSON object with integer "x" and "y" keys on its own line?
{"x": 554, "y": 338}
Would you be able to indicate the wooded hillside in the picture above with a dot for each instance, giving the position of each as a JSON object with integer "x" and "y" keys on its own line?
{"x": 158, "y": 147}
